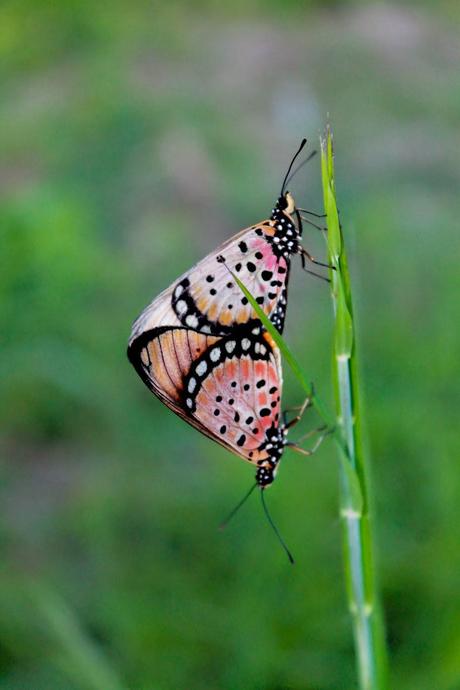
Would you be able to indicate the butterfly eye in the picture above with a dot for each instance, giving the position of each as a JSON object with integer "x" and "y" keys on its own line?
{"x": 283, "y": 202}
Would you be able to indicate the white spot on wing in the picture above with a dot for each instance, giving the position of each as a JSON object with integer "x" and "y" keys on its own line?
{"x": 245, "y": 344}
{"x": 201, "y": 368}
{"x": 191, "y": 385}
{"x": 215, "y": 354}
{"x": 230, "y": 346}
{"x": 181, "y": 306}
{"x": 191, "y": 321}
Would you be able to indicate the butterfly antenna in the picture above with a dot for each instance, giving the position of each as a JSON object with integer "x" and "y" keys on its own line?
{"x": 224, "y": 524}
{"x": 302, "y": 144}
{"x": 275, "y": 529}
{"x": 300, "y": 166}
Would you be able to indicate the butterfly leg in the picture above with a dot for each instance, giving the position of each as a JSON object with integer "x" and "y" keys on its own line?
{"x": 312, "y": 273}
{"x": 317, "y": 215}
{"x": 285, "y": 412}
{"x": 312, "y": 213}
{"x": 304, "y": 253}
{"x": 309, "y": 451}
{"x": 310, "y": 222}
{"x": 299, "y": 415}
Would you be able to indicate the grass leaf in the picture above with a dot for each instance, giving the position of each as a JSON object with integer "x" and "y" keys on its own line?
{"x": 364, "y": 604}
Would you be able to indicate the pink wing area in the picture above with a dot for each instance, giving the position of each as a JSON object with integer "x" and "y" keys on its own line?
{"x": 216, "y": 295}
{"x": 241, "y": 414}
{"x": 229, "y": 388}
{"x": 207, "y": 299}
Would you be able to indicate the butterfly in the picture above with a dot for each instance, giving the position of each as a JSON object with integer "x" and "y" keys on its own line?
{"x": 207, "y": 299}
{"x": 201, "y": 349}
{"x": 227, "y": 387}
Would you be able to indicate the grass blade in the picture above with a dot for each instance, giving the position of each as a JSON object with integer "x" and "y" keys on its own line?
{"x": 360, "y": 574}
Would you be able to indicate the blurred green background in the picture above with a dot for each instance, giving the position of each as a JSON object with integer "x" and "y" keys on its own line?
{"x": 135, "y": 137}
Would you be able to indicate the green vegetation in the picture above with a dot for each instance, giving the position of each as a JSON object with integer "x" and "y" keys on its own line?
{"x": 135, "y": 138}
{"x": 355, "y": 511}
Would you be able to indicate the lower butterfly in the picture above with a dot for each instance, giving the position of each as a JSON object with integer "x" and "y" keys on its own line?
{"x": 229, "y": 388}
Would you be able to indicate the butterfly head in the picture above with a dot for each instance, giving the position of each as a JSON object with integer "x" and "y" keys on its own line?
{"x": 284, "y": 210}
{"x": 286, "y": 203}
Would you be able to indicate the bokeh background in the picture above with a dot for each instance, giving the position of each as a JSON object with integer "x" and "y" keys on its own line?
{"x": 135, "y": 137}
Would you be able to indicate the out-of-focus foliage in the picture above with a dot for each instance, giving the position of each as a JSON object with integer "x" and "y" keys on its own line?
{"x": 134, "y": 138}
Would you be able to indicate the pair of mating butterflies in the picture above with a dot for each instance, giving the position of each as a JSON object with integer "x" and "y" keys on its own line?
{"x": 200, "y": 348}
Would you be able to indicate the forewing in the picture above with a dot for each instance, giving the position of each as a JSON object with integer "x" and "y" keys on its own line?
{"x": 213, "y": 293}
{"x": 207, "y": 299}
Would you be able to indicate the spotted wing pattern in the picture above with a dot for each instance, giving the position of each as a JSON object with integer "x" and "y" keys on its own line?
{"x": 163, "y": 358}
{"x": 209, "y": 292}
{"x": 208, "y": 300}
{"x": 229, "y": 388}
{"x": 234, "y": 391}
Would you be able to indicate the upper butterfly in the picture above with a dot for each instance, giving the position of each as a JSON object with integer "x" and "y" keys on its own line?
{"x": 206, "y": 299}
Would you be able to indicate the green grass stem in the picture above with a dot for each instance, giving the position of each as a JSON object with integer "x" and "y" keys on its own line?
{"x": 363, "y": 600}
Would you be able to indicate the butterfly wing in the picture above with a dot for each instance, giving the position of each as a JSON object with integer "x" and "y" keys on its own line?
{"x": 229, "y": 388}
{"x": 162, "y": 358}
{"x": 234, "y": 391}
{"x": 208, "y": 300}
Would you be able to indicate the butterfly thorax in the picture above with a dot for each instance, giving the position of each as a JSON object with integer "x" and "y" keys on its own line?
{"x": 285, "y": 240}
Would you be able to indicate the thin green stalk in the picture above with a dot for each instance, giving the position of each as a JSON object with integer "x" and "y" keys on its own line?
{"x": 363, "y": 600}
